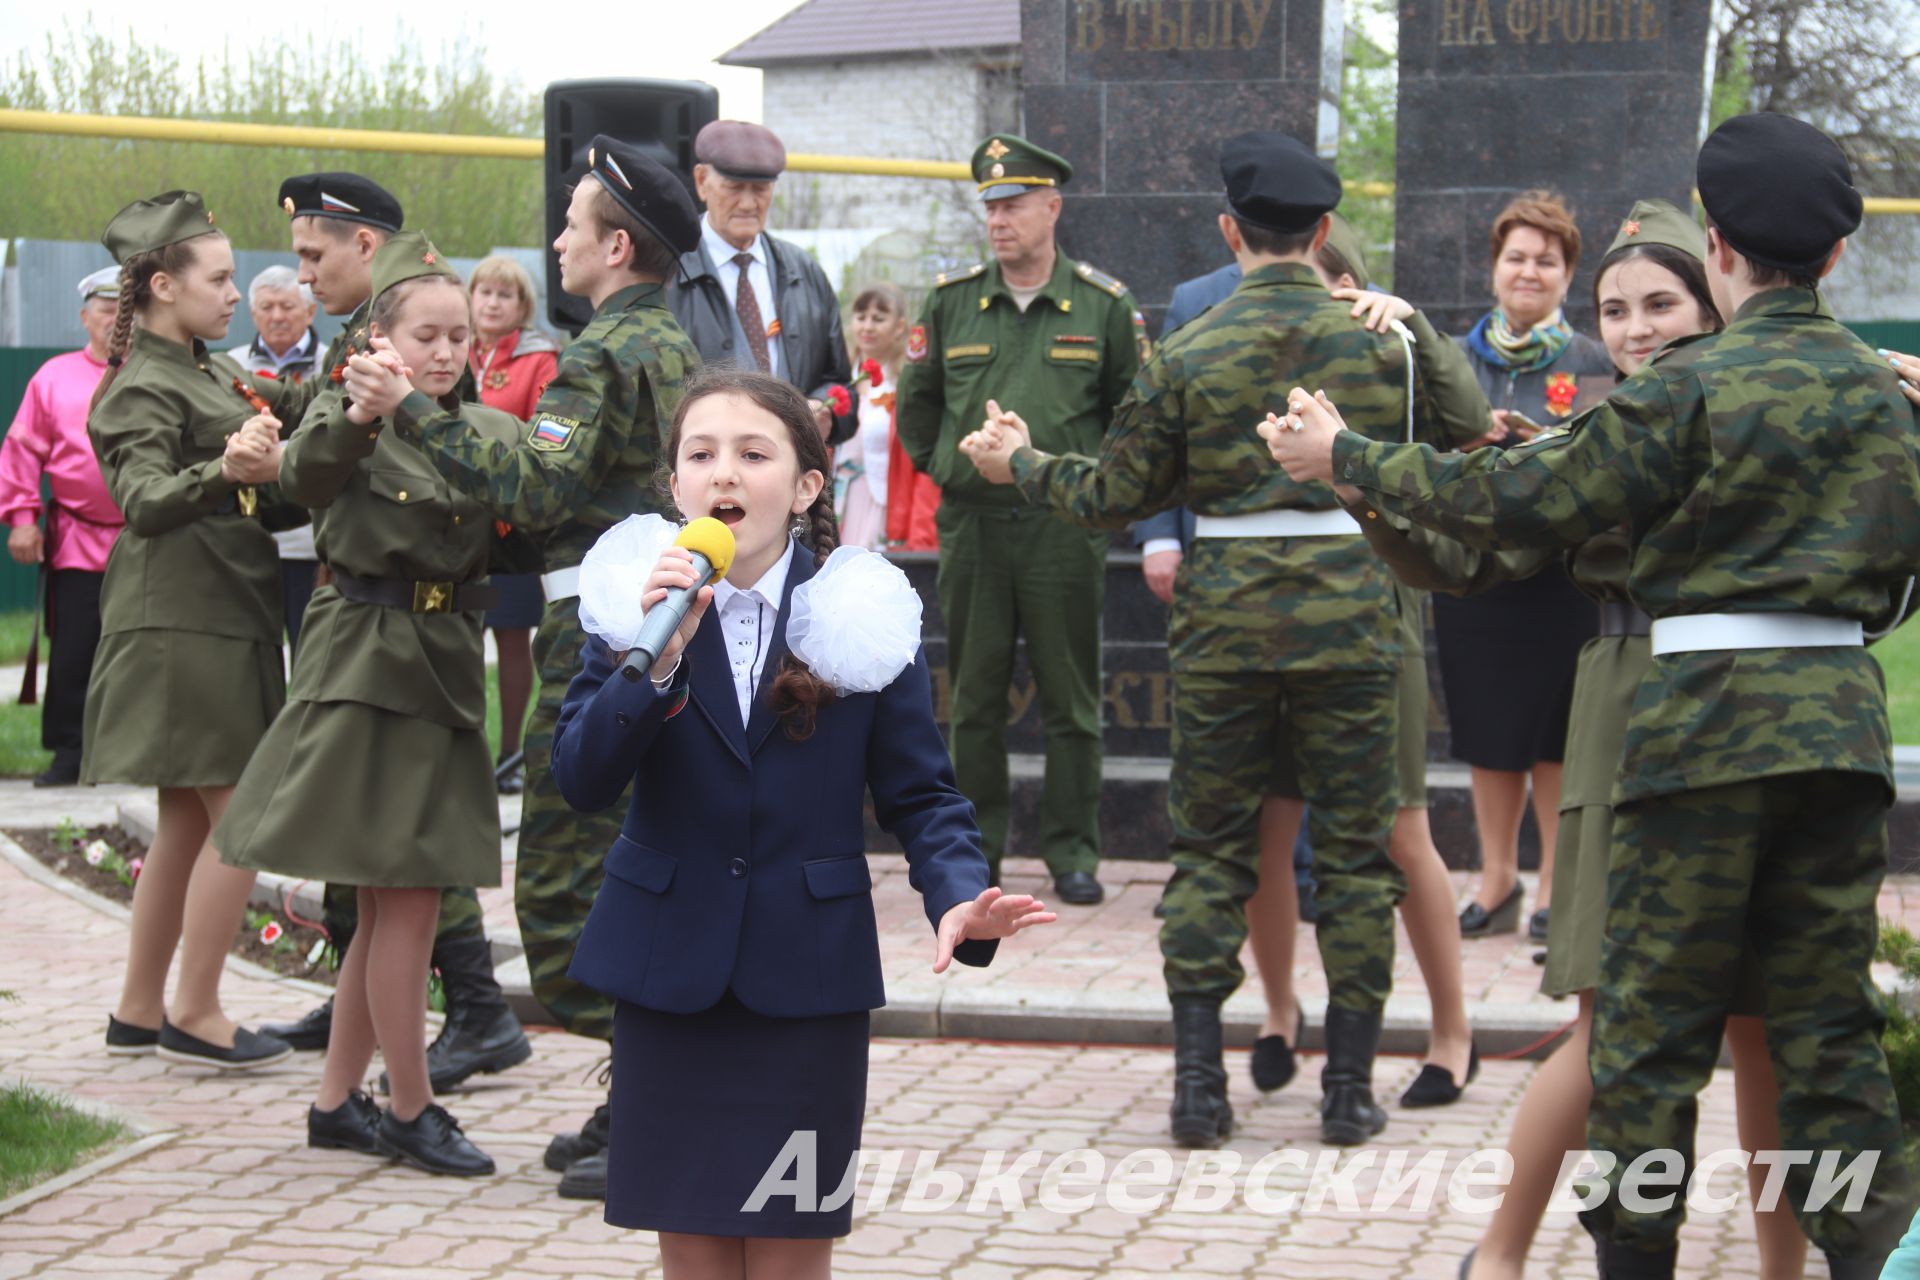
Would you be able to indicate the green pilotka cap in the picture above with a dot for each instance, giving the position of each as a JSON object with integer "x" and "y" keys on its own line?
{"x": 408, "y": 256}
{"x": 1345, "y": 241}
{"x": 1658, "y": 222}
{"x": 146, "y": 225}
{"x": 1008, "y": 165}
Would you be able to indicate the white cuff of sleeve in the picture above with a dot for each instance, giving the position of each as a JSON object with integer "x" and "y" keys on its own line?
{"x": 1154, "y": 546}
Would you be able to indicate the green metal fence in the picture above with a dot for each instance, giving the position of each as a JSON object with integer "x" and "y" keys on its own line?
{"x": 17, "y": 367}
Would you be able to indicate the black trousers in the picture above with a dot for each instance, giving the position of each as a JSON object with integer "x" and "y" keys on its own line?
{"x": 73, "y": 634}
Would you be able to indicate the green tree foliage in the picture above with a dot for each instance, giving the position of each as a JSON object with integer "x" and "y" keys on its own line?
{"x": 1369, "y": 89}
{"x": 67, "y": 188}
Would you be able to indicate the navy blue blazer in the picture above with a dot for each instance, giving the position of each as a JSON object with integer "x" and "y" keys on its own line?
{"x": 1190, "y": 298}
{"x": 741, "y": 865}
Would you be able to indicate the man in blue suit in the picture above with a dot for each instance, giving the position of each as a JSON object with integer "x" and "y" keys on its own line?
{"x": 1163, "y": 539}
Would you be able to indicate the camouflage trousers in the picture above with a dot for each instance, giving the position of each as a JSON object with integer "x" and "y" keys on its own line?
{"x": 558, "y": 866}
{"x": 1228, "y": 732}
{"x": 459, "y": 914}
{"x": 1789, "y": 868}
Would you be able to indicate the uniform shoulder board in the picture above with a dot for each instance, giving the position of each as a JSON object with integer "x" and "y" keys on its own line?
{"x": 1100, "y": 279}
{"x": 954, "y": 277}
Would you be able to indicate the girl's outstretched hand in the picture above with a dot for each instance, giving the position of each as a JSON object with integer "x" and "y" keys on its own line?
{"x": 991, "y": 915}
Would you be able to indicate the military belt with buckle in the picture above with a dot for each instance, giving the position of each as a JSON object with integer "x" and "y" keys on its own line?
{"x": 416, "y": 597}
{"x": 243, "y": 501}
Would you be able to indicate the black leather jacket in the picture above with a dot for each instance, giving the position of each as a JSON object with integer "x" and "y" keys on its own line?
{"x": 813, "y": 347}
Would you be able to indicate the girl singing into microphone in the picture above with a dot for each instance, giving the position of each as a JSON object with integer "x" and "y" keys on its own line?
{"x": 736, "y": 924}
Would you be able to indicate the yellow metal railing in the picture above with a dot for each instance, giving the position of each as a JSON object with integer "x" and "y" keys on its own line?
{"x": 456, "y": 144}
{"x": 437, "y": 144}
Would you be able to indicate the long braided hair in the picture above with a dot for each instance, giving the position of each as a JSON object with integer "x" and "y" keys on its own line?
{"x": 136, "y": 294}
{"x": 797, "y": 693}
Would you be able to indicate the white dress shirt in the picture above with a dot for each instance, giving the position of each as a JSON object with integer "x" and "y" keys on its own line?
{"x": 747, "y": 617}
{"x": 757, "y": 274}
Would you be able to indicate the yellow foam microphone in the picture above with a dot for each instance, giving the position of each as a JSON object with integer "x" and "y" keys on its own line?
{"x": 711, "y": 543}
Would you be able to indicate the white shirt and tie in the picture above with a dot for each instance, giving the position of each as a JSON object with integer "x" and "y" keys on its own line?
{"x": 747, "y": 617}
{"x": 758, "y": 276}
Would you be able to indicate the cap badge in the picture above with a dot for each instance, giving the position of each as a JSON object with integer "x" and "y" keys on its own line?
{"x": 428, "y": 259}
{"x": 998, "y": 171}
{"x": 1631, "y": 229}
{"x": 287, "y": 204}
{"x": 592, "y": 160}
{"x": 997, "y": 149}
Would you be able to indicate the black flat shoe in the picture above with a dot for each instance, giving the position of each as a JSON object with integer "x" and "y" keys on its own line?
{"x": 1537, "y": 926}
{"x": 1478, "y": 922}
{"x": 432, "y": 1142}
{"x": 351, "y": 1126}
{"x": 250, "y": 1051}
{"x": 1466, "y": 1264}
{"x": 1078, "y": 889}
{"x": 585, "y": 1178}
{"x": 128, "y": 1041}
{"x": 510, "y": 775}
{"x": 310, "y": 1032}
{"x": 63, "y": 772}
{"x": 1434, "y": 1086}
{"x": 1273, "y": 1062}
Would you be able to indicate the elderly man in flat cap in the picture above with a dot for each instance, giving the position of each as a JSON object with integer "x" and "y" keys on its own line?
{"x": 749, "y": 299}
{"x": 48, "y": 440}
{"x": 1284, "y": 635}
{"x": 588, "y": 461}
{"x": 1769, "y": 477}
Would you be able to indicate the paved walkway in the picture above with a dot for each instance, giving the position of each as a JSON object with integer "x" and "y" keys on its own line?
{"x": 232, "y": 1191}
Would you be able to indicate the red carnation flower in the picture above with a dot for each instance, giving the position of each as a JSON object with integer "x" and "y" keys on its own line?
{"x": 871, "y": 369}
{"x": 839, "y": 400}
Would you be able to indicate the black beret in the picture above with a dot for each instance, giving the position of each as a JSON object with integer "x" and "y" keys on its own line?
{"x": 647, "y": 189}
{"x": 1277, "y": 182}
{"x": 345, "y": 196}
{"x": 740, "y": 149}
{"x": 1780, "y": 190}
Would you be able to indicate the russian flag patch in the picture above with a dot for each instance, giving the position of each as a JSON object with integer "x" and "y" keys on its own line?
{"x": 551, "y": 432}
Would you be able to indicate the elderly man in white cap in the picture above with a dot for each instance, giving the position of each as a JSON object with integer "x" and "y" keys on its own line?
{"x": 49, "y": 439}
{"x": 751, "y": 300}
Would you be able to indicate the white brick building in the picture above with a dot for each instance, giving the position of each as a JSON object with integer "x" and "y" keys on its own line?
{"x": 901, "y": 79}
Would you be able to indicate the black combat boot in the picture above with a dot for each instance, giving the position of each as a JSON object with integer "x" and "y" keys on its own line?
{"x": 310, "y": 1032}
{"x": 1200, "y": 1114}
{"x": 567, "y": 1148}
{"x": 1348, "y": 1113}
{"x": 1858, "y": 1267}
{"x": 1616, "y": 1261}
{"x": 480, "y": 1033}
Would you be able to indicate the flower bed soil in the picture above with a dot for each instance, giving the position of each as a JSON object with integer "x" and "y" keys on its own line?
{"x": 65, "y": 858}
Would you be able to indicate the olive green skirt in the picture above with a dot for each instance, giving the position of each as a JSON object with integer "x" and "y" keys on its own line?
{"x": 178, "y": 708}
{"x": 355, "y": 794}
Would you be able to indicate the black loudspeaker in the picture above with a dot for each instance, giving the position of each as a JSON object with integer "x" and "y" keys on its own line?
{"x": 660, "y": 117}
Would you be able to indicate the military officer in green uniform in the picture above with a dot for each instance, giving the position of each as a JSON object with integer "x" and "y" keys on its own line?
{"x": 1281, "y": 615}
{"x": 1768, "y": 476}
{"x": 1062, "y": 340}
{"x": 338, "y": 222}
{"x": 589, "y": 458}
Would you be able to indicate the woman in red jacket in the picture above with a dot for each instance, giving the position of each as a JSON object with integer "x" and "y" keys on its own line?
{"x": 512, "y": 363}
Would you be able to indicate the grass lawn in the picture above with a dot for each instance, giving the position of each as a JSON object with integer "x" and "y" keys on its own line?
{"x": 1899, "y": 656}
{"x": 15, "y": 629}
{"x": 41, "y": 1137}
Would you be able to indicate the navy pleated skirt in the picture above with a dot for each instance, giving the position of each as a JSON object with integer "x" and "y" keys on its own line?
{"x": 706, "y": 1104}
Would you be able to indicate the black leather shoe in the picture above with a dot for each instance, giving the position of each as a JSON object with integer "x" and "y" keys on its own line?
{"x": 1273, "y": 1063}
{"x": 510, "y": 775}
{"x": 585, "y": 1178}
{"x": 63, "y": 772}
{"x": 1478, "y": 922}
{"x": 1537, "y": 926}
{"x": 351, "y": 1126}
{"x": 566, "y": 1149}
{"x": 128, "y": 1041}
{"x": 250, "y": 1051}
{"x": 1201, "y": 1116}
{"x": 1078, "y": 889}
{"x": 310, "y": 1032}
{"x": 1348, "y": 1113}
{"x": 1434, "y": 1086}
{"x": 432, "y": 1141}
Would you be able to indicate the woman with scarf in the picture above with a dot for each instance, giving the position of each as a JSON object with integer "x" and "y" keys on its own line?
{"x": 1507, "y": 656}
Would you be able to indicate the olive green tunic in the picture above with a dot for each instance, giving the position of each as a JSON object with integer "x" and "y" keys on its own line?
{"x": 188, "y": 672}
{"x": 378, "y": 771}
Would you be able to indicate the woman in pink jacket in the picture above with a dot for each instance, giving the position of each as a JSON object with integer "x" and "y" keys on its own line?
{"x": 49, "y": 438}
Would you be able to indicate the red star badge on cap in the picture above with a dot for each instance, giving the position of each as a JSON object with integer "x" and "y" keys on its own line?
{"x": 428, "y": 259}
{"x": 1632, "y": 229}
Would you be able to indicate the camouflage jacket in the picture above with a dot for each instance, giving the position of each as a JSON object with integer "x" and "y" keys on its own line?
{"x": 1773, "y": 467}
{"x": 1185, "y": 434}
{"x": 1062, "y": 365}
{"x": 591, "y": 455}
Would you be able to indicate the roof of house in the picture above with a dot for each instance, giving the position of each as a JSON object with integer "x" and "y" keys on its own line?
{"x": 827, "y": 30}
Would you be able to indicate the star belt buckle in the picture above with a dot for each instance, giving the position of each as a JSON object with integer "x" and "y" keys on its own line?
{"x": 433, "y": 597}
